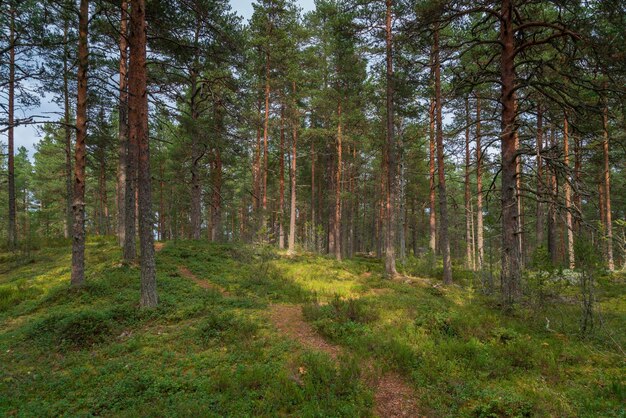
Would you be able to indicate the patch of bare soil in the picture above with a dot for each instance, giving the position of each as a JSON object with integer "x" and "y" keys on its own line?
{"x": 289, "y": 320}
{"x": 205, "y": 284}
{"x": 392, "y": 396}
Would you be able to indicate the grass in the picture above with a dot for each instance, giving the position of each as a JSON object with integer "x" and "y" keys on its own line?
{"x": 94, "y": 352}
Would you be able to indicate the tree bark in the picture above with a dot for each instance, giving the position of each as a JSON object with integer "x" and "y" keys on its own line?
{"x": 123, "y": 126}
{"x": 568, "y": 198}
{"x": 479, "y": 190}
{"x": 68, "y": 134}
{"x": 281, "y": 181}
{"x": 511, "y": 257}
{"x": 265, "y": 133}
{"x": 12, "y": 242}
{"x": 78, "y": 206}
{"x": 540, "y": 180}
{"x": 390, "y": 235}
{"x": 256, "y": 167}
{"x": 469, "y": 239}
{"x": 138, "y": 121}
{"x": 216, "y": 200}
{"x": 607, "y": 188}
{"x": 196, "y": 150}
{"x": 216, "y": 177}
{"x": 432, "y": 220}
{"x": 313, "y": 215}
{"x": 293, "y": 172}
{"x": 554, "y": 188}
{"x": 443, "y": 199}
{"x": 337, "y": 219}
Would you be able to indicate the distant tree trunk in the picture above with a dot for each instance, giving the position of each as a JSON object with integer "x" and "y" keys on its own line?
{"x": 511, "y": 257}
{"x": 216, "y": 200}
{"x": 216, "y": 176}
{"x": 337, "y": 219}
{"x": 577, "y": 182}
{"x": 265, "y": 133}
{"x": 78, "y": 207}
{"x": 568, "y": 193}
{"x": 540, "y": 180}
{"x": 354, "y": 221}
{"x": 256, "y": 168}
{"x": 479, "y": 190}
{"x": 313, "y": 219}
{"x": 11, "y": 114}
{"x": 469, "y": 240}
{"x": 292, "y": 178}
{"x": 196, "y": 151}
{"x": 607, "y": 188}
{"x": 281, "y": 181}
{"x": 68, "y": 134}
{"x": 138, "y": 121}
{"x": 123, "y": 126}
{"x": 162, "y": 233}
{"x": 432, "y": 221}
{"x": 102, "y": 195}
{"x": 443, "y": 199}
{"x": 518, "y": 194}
{"x": 390, "y": 230}
{"x": 554, "y": 185}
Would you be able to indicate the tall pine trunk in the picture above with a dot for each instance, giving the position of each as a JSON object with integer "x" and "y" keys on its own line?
{"x": 68, "y": 134}
{"x": 511, "y": 257}
{"x": 78, "y": 205}
{"x": 568, "y": 194}
{"x": 123, "y": 126}
{"x": 281, "y": 181}
{"x": 553, "y": 196}
{"x": 469, "y": 236}
{"x": 432, "y": 220}
{"x": 540, "y": 226}
{"x": 337, "y": 218}
{"x": 480, "y": 246}
{"x": 606, "y": 177}
{"x": 390, "y": 227}
{"x": 443, "y": 199}
{"x": 313, "y": 200}
{"x": 11, "y": 115}
{"x": 265, "y": 133}
{"x": 138, "y": 121}
{"x": 292, "y": 178}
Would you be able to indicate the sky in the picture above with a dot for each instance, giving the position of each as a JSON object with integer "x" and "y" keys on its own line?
{"x": 28, "y": 135}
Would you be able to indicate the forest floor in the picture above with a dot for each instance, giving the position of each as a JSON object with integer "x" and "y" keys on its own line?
{"x": 249, "y": 331}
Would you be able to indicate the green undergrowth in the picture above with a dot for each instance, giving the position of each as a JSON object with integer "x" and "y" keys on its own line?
{"x": 212, "y": 352}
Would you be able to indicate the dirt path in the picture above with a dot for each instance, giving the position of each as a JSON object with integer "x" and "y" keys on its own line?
{"x": 392, "y": 396}
{"x": 289, "y": 320}
{"x": 205, "y": 284}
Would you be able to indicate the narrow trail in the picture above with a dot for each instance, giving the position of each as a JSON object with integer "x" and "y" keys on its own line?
{"x": 205, "y": 284}
{"x": 289, "y": 320}
{"x": 392, "y": 396}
